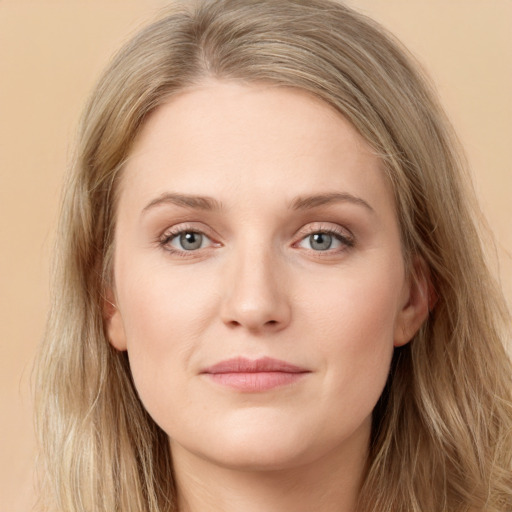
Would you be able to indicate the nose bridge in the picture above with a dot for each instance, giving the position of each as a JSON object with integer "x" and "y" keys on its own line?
{"x": 255, "y": 291}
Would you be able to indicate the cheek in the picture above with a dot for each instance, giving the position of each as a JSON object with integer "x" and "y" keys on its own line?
{"x": 164, "y": 314}
{"x": 355, "y": 318}
{"x": 164, "y": 304}
{"x": 362, "y": 301}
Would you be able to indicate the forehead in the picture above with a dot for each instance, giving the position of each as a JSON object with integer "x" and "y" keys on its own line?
{"x": 237, "y": 140}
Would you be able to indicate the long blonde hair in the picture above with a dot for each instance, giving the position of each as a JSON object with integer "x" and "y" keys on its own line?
{"x": 442, "y": 430}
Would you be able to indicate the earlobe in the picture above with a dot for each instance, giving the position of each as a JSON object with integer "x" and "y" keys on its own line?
{"x": 420, "y": 300}
{"x": 113, "y": 322}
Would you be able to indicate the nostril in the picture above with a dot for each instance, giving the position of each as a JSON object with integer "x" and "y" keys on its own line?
{"x": 255, "y": 309}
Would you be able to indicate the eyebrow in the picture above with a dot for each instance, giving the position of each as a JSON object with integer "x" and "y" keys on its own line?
{"x": 184, "y": 200}
{"x": 299, "y": 203}
{"x": 313, "y": 201}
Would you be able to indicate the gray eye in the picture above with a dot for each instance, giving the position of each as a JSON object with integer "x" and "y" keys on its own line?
{"x": 190, "y": 241}
{"x": 320, "y": 241}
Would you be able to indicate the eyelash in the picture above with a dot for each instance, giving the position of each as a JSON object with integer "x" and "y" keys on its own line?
{"x": 347, "y": 241}
{"x": 169, "y": 235}
{"x": 343, "y": 236}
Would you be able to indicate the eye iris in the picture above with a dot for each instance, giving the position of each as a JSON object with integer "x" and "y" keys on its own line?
{"x": 190, "y": 241}
{"x": 320, "y": 241}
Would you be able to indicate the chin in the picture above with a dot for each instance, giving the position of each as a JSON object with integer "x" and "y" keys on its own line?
{"x": 266, "y": 444}
{"x": 259, "y": 455}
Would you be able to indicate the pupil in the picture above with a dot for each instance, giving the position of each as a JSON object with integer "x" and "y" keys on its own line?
{"x": 190, "y": 240}
{"x": 321, "y": 241}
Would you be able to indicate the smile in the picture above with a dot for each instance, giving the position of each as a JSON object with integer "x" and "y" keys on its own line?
{"x": 252, "y": 376}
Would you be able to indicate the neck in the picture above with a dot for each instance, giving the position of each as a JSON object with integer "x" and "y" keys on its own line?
{"x": 328, "y": 484}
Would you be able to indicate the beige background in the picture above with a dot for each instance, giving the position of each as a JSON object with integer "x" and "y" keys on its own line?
{"x": 50, "y": 55}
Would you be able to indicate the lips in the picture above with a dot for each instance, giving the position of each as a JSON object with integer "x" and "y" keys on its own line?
{"x": 258, "y": 375}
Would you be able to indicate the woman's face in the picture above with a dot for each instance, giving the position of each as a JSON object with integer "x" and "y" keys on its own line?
{"x": 259, "y": 280}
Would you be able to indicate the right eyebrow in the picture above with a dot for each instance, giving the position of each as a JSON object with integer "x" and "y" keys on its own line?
{"x": 184, "y": 200}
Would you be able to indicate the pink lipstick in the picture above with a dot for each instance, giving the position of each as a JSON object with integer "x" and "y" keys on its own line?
{"x": 252, "y": 376}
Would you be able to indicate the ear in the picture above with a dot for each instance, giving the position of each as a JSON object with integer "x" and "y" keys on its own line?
{"x": 419, "y": 299}
{"x": 113, "y": 322}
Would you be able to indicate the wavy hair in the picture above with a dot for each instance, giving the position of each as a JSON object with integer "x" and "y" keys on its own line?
{"x": 442, "y": 430}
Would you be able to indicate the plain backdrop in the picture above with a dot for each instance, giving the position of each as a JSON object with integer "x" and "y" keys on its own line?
{"x": 51, "y": 52}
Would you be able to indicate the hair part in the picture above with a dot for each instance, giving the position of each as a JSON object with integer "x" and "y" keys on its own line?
{"x": 442, "y": 430}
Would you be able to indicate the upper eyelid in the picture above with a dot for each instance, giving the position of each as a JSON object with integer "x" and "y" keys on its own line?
{"x": 322, "y": 227}
{"x": 184, "y": 227}
{"x": 309, "y": 227}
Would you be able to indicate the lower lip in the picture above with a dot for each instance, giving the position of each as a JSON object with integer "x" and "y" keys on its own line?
{"x": 253, "y": 382}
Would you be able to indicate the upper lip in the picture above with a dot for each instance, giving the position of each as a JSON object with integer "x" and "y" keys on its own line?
{"x": 244, "y": 365}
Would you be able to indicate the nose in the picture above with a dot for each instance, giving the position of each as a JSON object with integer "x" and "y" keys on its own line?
{"x": 255, "y": 292}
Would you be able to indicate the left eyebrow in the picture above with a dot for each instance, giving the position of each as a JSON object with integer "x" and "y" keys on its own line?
{"x": 313, "y": 201}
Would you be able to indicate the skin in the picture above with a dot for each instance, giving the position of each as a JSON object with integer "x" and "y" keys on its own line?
{"x": 259, "y": 286}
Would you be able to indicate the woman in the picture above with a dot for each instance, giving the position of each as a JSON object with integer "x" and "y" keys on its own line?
{"x": 271, "y": 292}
